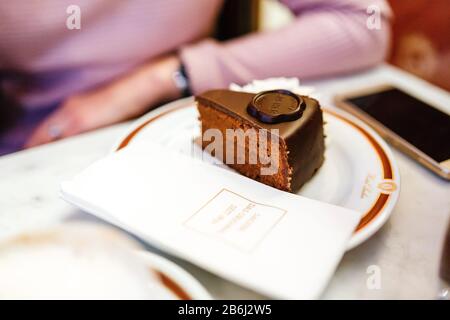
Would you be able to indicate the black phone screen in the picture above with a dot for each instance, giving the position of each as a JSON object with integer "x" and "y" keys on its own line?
{"x": 422, "y": 125}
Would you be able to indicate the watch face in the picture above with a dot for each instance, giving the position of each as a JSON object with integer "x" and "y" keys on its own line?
{"x": 180, "y": 80}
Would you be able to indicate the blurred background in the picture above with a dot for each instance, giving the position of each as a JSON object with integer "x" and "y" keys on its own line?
{"x": 420, "y": 37}
{"x": 74, "y": 81}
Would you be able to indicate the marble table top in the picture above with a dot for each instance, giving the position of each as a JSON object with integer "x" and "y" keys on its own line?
{"x": 405, "y": 253}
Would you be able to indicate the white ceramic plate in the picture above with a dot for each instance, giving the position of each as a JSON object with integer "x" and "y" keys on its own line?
{"x": 75, "y": 237}
{"x": 359, "y": 171}
{"x": 177, "y": 280}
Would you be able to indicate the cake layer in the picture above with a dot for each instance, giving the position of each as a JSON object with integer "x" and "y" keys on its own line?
{"x": 214, "y": 119}
{"x": 301, "y": 145}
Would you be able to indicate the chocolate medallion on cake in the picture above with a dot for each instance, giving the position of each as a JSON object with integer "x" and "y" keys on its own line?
{"x": 276, "y": 106}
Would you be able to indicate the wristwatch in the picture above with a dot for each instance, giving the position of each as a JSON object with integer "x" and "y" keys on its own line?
{"x": 181, "y": 80}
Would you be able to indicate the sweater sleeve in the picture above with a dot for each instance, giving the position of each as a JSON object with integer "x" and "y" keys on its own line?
{"x": 327, "y": 37}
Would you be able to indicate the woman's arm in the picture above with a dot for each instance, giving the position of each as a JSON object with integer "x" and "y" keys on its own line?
{"x": 122, "y": 99}
{"x": 327, "y": 37}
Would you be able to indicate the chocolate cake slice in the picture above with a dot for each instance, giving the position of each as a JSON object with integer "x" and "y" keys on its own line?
{"x": 294, "y": 121}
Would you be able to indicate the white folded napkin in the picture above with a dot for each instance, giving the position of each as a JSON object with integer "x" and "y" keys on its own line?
{"x": 279, "y": 244}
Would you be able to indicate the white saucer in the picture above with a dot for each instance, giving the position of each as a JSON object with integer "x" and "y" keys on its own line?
{"x": 359, "y": 171}
{"x": 79, "y": 252}
{"x": 177, "y": 280}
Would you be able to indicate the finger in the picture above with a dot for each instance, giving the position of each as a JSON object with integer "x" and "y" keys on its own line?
{"x": 40, "y": 136}
{"x": 51, "y": 129}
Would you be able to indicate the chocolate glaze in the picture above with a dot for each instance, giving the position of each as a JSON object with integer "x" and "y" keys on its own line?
{"x": 303, "y": 137}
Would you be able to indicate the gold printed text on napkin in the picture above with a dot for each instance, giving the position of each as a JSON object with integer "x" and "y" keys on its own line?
{"x": 235, "y": 219}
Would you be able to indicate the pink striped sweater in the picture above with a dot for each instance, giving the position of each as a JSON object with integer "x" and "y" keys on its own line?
{"x": 42, "y": 61}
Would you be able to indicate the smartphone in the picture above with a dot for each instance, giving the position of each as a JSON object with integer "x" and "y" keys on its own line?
{"x": 410, "y": 124}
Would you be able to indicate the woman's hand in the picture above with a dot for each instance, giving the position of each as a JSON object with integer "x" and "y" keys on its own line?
{"x": 121, "y": 100}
